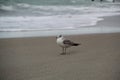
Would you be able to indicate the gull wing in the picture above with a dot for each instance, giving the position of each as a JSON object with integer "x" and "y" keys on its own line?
{"x": 68, "y": 42}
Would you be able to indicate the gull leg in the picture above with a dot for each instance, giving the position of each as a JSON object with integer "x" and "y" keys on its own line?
{"x": 63, "y": 51}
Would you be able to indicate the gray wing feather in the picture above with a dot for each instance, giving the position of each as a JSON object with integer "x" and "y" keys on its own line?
{"x": 68, "y": 42}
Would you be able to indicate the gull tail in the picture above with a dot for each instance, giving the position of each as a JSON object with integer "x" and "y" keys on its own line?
{"x": 75, "y": 44}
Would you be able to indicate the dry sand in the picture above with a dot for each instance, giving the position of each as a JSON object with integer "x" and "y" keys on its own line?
{"x": 98, "y": 58}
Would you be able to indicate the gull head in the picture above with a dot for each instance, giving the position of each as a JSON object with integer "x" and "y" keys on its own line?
{"x": 59, "y": 36}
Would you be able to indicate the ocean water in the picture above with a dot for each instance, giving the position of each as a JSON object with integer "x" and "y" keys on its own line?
{"x": 28, "y": 18}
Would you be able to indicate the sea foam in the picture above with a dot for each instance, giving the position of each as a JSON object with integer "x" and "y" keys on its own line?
{"x": 25, "y": 17}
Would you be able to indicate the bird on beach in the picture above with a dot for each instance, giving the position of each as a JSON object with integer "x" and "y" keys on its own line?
{"x": 65, "y": 43}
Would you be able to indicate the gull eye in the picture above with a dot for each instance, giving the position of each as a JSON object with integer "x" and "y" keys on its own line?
{"x": 60, "y": 35}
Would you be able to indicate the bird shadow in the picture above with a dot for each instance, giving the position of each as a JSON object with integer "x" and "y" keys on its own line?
{"x": 72, "y": 52}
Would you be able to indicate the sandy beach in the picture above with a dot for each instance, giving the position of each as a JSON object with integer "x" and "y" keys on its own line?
{"x": 38, "y": 58}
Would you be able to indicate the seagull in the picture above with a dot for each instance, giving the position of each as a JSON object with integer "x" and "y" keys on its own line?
{"x": 65, "y": 43}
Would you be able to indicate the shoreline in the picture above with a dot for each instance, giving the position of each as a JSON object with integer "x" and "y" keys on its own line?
{"x": 109, "y": 24}
{"x": 109, "y": 21}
